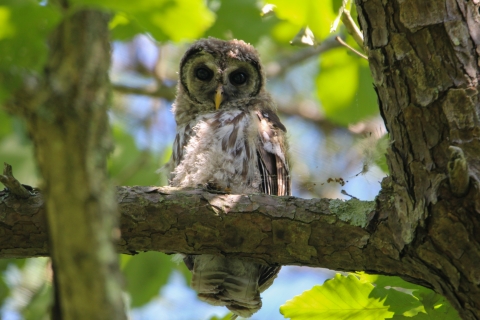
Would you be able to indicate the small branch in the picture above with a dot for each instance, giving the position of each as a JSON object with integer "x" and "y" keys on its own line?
{"x": 458, "y": 172}
{"x": 352, "y": 28}
{"x": 343, "y": 43}
{"x": 164, "y": 92}
{"x": 278, "y": 68}
{"x": 15, "y": 187}
{"x": 273, "y": 69}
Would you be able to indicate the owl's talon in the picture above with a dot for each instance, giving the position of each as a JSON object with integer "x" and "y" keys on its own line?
{"x": 215, "y": 188}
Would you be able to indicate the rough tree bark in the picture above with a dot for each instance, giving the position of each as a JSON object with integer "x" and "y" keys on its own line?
{"x": 277, "y": 230}
{"x": 66, "y": 113}
{"x": 425, "y": 227}
{"x": 425, "y": 61}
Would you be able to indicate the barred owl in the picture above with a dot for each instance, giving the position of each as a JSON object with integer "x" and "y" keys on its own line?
{"x": 229, "y": 138}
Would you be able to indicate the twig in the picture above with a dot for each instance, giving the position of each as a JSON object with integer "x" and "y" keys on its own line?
{"x": 347, "y": 194}
{"x": 15, "y": 187}
{"x": 352, "y": 28}
{"x": 157, "y": 92}
{"x": 343, "y": 43}
{"x": 278, "y": 68}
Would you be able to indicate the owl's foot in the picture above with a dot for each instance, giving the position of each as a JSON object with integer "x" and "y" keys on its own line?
{"x": 215, "y": 188}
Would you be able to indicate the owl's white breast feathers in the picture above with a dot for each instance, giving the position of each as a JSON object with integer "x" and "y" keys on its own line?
{"x": 219, "y": 149}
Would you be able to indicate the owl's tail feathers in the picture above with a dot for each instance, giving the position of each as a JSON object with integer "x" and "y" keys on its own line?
{"x": 227, "y": 282}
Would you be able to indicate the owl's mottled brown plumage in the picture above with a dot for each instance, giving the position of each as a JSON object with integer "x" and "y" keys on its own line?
{"x": 228, "y": 137}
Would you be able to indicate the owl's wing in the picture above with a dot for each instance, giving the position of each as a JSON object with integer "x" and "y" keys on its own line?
{"x": 273, "y": 166}
{"x": 184, "y": 133}
{"x": 272, "y": 157}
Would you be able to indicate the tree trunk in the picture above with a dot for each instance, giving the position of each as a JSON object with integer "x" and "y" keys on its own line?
{"x": 425, "y": 58}
{"x": 67, "y": 119}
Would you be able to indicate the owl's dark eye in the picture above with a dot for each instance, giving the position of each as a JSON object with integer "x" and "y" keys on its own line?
{"x": 238, "y": 78}
{"x": 203, "y": 74}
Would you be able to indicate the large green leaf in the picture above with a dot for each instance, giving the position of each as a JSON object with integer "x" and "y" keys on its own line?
{"x": 232, "y": 15}
{"x": 345, "y": 87}
{"x": 338, "y": 298}
{"x": 174, "y": 20}
{"x": 145, "y": 274}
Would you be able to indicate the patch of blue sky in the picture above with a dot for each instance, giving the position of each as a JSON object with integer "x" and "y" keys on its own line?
{"x": 160, "y": 134}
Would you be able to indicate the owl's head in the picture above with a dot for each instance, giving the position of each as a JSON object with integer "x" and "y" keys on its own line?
{"x": 217, "y": 74}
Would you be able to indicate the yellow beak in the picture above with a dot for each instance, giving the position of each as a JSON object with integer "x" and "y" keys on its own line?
{"x": 218, "y": 97}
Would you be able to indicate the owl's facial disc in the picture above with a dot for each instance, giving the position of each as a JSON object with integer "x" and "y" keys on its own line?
{"x": 218, "y": 81}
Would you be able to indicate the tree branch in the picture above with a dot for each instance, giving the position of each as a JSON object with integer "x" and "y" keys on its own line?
{"x": 348, "y": 235}
{"x": 154, "y": 92}
{"x": 327, "y": 233}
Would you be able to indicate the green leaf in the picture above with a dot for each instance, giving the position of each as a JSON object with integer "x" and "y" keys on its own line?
{"x": 123, "y": 27}
{"x": 228, "y": 316}
{"x": 408, "y": 300}
{"x": 174, "y": 20}
{"x": 24, "y": 26}
{"x": 397, "y": 294}
{"x": 400, "y": 302}
{"x": 317, "y": 15}
{"x": 4, "y": 291}
{"x": 387, "y": 281}
{"x": 231, "y": 17}
{"x": 4, "y": 263}
{"x": 436, "y": 306}
{"x": 40, "y": 303}
{"x": 18, "y": 151}
{"x": 130, "y": 166}
{"x": 338, "y": 298}
{"x": 5, "y": 124}
{"x": 146, "y": 273}
{"x": 345, "y": 87}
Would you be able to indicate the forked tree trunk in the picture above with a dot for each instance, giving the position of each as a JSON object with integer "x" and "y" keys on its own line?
{"x": 424, "y": 57}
